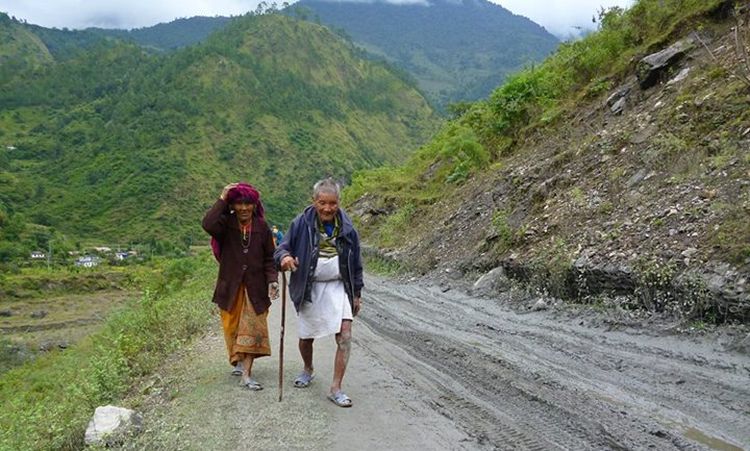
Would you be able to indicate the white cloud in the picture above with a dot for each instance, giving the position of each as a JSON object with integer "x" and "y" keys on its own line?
{"x": 561, "y": 17}
{"x": 119, "y": 13}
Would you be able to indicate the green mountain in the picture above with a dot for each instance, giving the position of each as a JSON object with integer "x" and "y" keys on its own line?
{"x": 169, "y": 36}
{"x": 123, "y": 145}
{"x": 457, "y": 49}
{"x": 614, "y": 173}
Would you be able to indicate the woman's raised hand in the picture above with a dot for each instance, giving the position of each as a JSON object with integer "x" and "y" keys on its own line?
{"x": 226, "y": 190}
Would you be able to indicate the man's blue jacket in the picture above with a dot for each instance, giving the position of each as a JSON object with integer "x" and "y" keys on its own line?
{"x": 301, "y": 241}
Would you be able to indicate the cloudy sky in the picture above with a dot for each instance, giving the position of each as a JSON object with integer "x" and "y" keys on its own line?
{"x": 558, "y": 16}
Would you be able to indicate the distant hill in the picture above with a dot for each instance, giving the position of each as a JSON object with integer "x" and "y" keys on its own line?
{"x": 125, "y": 145}
{"x": 169, "y": 36}
{"x": 456, "y": 49}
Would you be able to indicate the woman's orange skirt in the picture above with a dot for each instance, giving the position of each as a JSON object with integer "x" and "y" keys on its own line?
{"x": 245, "y": 332}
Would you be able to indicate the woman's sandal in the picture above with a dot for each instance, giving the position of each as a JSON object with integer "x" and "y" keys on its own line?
{"x": 251, "y": 384}
{"x": 340, "y": 399}
{"x": 303, "y": 380}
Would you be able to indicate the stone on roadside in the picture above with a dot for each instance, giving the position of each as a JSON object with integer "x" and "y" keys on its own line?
{"x": 493, "y": 282}
{"x": 540, "y": 305}
{"x": 111, "y": 424}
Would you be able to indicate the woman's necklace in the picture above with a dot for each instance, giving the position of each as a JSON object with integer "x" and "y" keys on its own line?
{"x": 245, "y": 230}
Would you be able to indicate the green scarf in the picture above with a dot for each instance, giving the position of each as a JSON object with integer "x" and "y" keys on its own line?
{"x": 327, "y": 244}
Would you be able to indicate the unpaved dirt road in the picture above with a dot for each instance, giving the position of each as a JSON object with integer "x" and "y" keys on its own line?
{"x": 446, "y": 371}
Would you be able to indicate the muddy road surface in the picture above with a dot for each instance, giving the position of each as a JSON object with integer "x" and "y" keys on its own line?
{"x": 538, "y": 381}
{"x": 441, "y": 370}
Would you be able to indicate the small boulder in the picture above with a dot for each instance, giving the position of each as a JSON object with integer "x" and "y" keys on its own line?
{"x": 540, "y": 305}
{"x": 111, "y": 424}
{"x": 491, "y": 283}
{"x": 39, "y": 314}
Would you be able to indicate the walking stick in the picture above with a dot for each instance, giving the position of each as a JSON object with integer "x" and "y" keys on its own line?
{"x": 281, "y": 341}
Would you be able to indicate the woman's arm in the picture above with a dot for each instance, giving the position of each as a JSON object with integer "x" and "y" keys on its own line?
{"x": 215, "y": 219}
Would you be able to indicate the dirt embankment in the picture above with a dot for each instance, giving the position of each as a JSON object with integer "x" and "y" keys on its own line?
{"x": 434, "y": 368}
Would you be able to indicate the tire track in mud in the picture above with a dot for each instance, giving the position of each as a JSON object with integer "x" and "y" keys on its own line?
{"x": 516, "y": 382}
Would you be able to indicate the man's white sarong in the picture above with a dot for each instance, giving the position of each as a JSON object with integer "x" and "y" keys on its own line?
{"x": 330, "y": 304}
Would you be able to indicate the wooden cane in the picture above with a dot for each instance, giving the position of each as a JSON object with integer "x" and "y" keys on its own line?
{"x": 281, "y": 340}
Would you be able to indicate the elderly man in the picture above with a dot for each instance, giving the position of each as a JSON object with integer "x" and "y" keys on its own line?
{"x": 321, "y": 248}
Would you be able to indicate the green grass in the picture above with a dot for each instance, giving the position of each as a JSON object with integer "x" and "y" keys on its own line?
{"x": 48, "y": 403}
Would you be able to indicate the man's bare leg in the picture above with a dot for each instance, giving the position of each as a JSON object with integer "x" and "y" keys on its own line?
{"x": 343, "y": 349}
{"x": 306, "y": 351}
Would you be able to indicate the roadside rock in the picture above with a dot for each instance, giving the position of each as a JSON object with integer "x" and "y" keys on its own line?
{"x": 39, "y": 314}
{"x": 540, "y": 305}
{"x": 494, "y": 281}
{"x": 110, "y": 425}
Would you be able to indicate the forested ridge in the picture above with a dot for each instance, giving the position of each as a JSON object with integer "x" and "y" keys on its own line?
{"x": 456, "y": 50}
{"x": 117, "y": 143}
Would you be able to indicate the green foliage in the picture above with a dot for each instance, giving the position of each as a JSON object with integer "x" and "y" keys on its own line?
{"x": 506, "y": 235}
{"x": 462, "y": 148}
{"x": 732, "y": 236}
{"x": 397, "y": 226}
{"x": 378, "y": 264}
{"x": 47, "y": 404}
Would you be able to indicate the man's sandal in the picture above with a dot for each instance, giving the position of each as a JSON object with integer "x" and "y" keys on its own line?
{"x": 340, "y": 399}
{"x": 303, "y": 380}
{"x": 251, "y": 384}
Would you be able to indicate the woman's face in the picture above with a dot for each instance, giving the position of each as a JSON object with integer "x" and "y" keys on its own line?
{"x": 244, "y": 212}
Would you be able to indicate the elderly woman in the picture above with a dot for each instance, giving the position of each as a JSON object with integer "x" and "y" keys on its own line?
{"x": 247, "y": 281}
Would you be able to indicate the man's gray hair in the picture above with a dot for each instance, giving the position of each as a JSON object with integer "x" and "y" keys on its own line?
{"x": 328, "y": 186}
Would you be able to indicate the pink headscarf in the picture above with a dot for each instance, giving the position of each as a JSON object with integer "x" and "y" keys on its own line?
{"x": 245, "y": 193}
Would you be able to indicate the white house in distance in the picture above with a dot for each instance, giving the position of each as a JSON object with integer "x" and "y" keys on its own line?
{"x": 37, "y": 255}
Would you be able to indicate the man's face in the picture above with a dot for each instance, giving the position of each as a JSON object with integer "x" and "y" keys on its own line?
{"x": 326, "y": 204}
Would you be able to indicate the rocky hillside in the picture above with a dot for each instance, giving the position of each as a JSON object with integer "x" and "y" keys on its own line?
{"x": 618, "y": 172}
